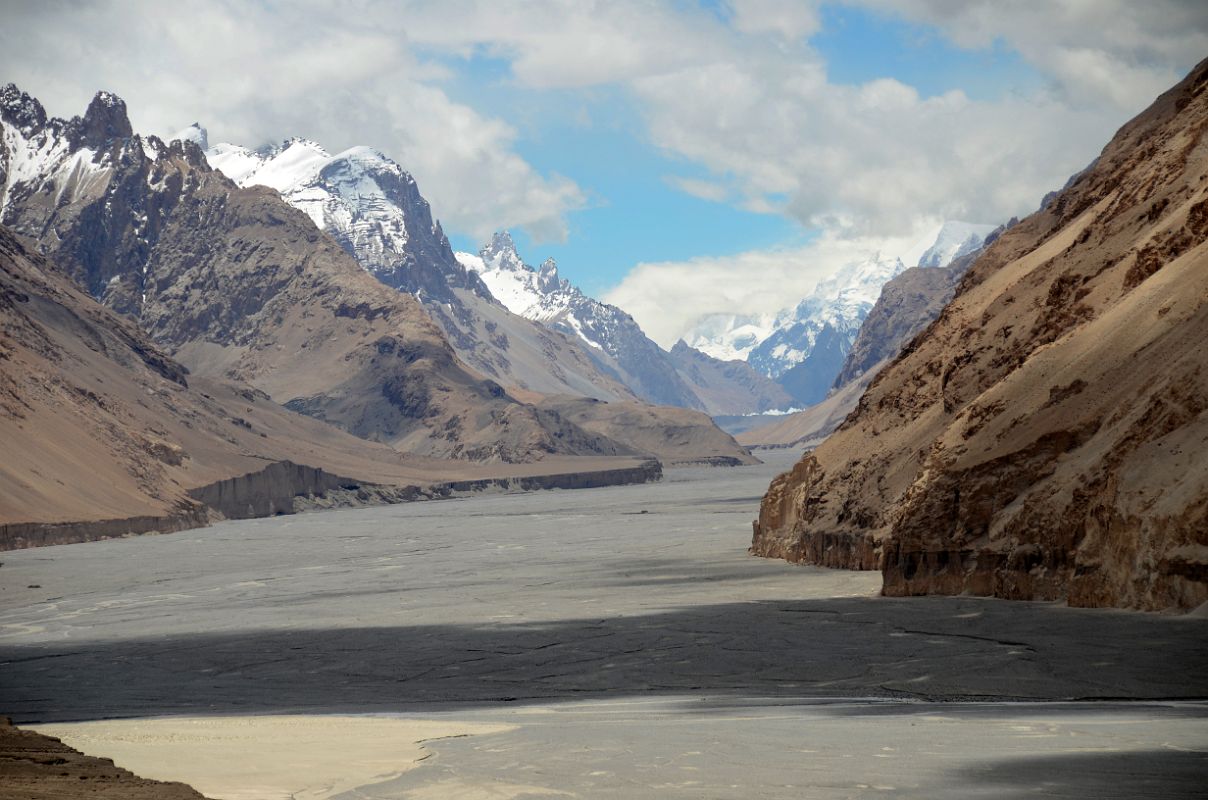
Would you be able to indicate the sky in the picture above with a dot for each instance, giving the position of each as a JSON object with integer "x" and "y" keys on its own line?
{"x": 677, "y": 158}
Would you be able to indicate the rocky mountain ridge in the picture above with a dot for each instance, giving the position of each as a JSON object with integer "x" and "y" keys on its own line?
{"x": 106, "y": 435}
{"x": 616, "y": 340}
{"x": 241, "y": 285}
{"x": 373, "y": 208}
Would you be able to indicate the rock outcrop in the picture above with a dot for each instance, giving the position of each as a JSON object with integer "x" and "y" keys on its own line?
{"x": 37, "y": 766}
{"x": 1044, "y": 437}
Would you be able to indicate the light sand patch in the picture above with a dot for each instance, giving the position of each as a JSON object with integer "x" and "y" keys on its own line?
{"x": 487, "y": 790}
{"x": 266, "y": 757}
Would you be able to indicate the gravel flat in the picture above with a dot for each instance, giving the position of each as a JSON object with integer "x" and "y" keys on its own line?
{"x": 625, "y": 638}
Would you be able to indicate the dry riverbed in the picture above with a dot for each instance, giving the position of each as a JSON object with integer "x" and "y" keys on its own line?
{"x": 613, "y": 642}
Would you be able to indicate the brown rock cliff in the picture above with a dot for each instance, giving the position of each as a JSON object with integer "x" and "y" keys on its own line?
{"x": 1044, "y": 438}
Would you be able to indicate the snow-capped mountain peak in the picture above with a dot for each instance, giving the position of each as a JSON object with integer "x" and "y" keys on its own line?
{"x": 195, "y": 134}
{"x": 542, "y": 295}
{"x": 368, "y": 202}
{"x": 522, "y": 289}
{"x": 730, "y": 337}
{"x": 282, "y": 167}
{"x": 20, "y": 109}
{"x": 837, "y": 305}
{"x": 954, "y": 240}
{"x": 832, "y": 313}
{"x": 500, "y": 254}
{"x": 946, "y": 243}
{"x": 37, "y": 150}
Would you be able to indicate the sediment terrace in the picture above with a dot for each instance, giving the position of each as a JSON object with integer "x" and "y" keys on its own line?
{"x": 283, "y": 487}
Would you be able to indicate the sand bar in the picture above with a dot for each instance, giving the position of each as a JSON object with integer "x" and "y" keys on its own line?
{"x": 266, "y": 757}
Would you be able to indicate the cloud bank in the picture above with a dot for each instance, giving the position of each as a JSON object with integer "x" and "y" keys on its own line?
{"x": 254, "y": 73}
{"x": 733, "y": 91}
{"x": 666, "y": 297}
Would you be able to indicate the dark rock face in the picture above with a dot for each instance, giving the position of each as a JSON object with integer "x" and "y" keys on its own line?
{"x": 20, "y": 109}
{"x": 1043, "y": 438}
{"x": 104, "y": 121}
{"x": 270, "y": 491}
{"x": 809, "y": 381}
{"x": 17, "y": 536}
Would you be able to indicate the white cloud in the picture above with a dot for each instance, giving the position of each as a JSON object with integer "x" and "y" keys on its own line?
{"x": 791, "y": 21}
{"x": 573, "y": 43}
{"x": 875, "y": 160}
{"x": 871, "y": 159}
{"x": 253, "y": 74}
{"x": 733, "y": 89}
{"x": 1118, "y": 52}
{"x": 705, "y": 190}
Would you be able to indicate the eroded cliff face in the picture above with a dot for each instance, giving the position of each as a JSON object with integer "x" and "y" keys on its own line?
{"x": 1044, "y": 437}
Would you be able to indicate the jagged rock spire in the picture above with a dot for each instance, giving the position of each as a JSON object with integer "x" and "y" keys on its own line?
{"x": 20, "y": 109}
{"x": 547, "y": 276}
{"x": 106, "y": 119}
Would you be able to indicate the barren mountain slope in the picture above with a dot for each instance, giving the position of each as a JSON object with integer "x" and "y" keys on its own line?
{"x": 521, "y": 353}
{"x": 99, "y": 424}
{"x": 239, "y": 284}
{"x": 1044, "y": 438}
{"x": 727, "y": 387}
{"x": 675, "y": 436}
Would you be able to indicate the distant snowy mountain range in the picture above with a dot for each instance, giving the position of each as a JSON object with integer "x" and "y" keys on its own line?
{"x": 527, "y": 329}
{"x": 530, "y": 328}
{"x": 540, "y": 294}
{"x": 803, "y": 346}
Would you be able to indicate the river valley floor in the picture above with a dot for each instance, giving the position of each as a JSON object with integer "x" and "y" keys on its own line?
{"x": 601, "y": 643}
